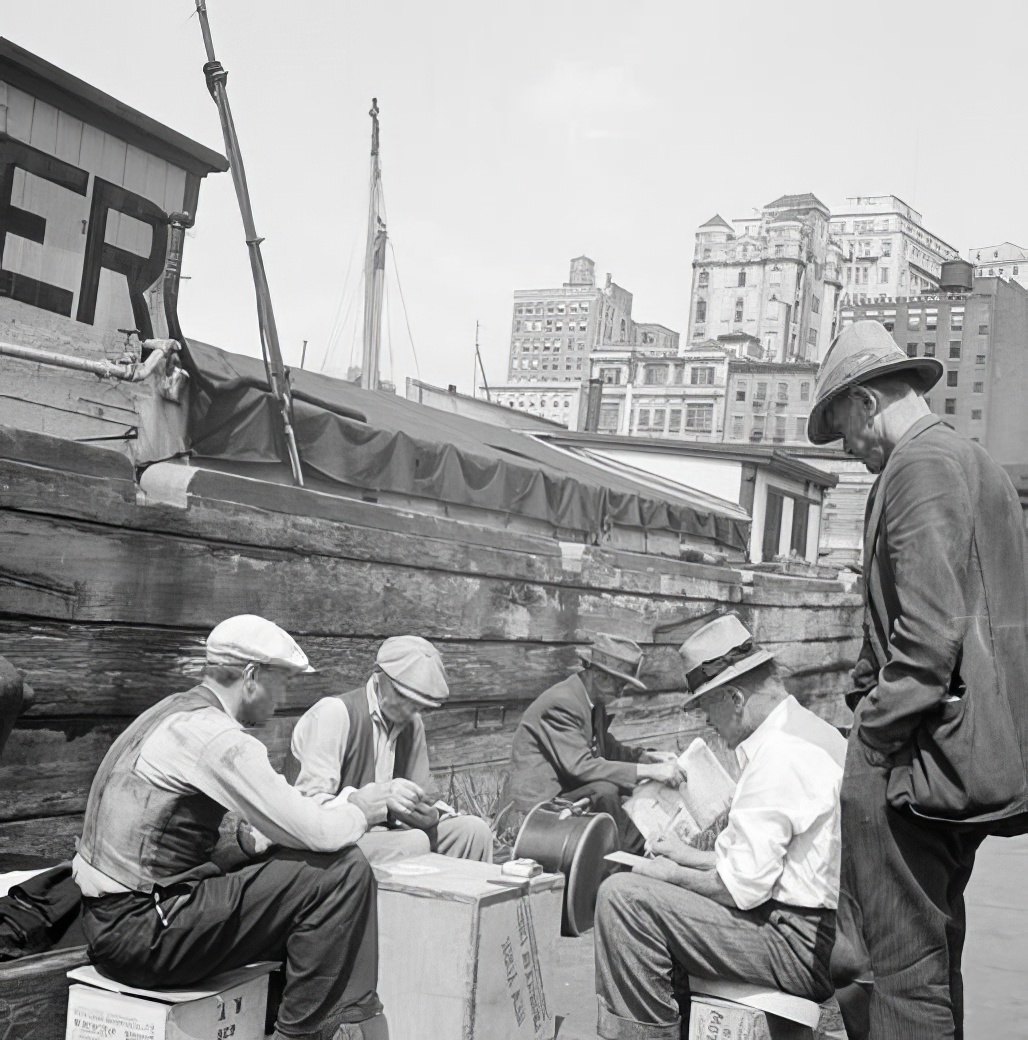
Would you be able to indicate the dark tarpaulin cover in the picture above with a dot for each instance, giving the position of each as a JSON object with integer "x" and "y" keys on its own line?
{"x": 376, "y": 441}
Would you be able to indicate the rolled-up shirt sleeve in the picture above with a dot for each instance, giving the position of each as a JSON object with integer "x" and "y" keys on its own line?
{"x": 208, "y": 752}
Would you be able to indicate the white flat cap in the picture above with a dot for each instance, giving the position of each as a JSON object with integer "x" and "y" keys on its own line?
{"x": 247, "y": 637}
{"x": 415, "y": 668}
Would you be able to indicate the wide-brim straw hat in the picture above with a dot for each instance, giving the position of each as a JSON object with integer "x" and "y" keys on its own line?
{"x": 717, "y": 653}
{"x": 862, "y": 351}
{"x": 617, "y": 656}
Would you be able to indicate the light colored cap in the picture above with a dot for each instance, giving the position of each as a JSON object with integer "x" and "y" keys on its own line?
{"x": 415, "y": 668}
{"x": 862, "y": 351}
{"x": 717, "y": 653}
{"x": 247, "y": 637}
{"x": 617, "y": 656}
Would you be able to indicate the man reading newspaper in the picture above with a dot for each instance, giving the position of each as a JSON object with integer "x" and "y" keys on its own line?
{"x": 759, "y": 907}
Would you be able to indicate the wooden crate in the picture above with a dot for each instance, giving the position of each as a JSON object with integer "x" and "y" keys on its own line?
{"x": 464, "y": 958}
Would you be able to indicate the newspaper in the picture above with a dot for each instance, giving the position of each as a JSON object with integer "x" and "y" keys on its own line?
{"x": 696, "y": 811}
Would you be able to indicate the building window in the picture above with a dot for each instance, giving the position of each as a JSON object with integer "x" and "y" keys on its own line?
{"x": 642, "y": 419}
{"x": 804, "y": 391}
{"x": 801, "y": 427}
{"x": 655, "y": 375}
{"x": 742, "y": 278}
{"x": 738, "y": 309}
{"x": 779, "y": 250}
{"x": 1015, "y": 269}
{"x": 701, "y": 311}
{"x": 761, "y": 392}
{"x": 951, "y": 378}
{"x": 738, "y": 427}
{"x": 883, "y": 275}
{"x": 699, "y": 417}
{"x": 783, "y": 392}
{"x": 931, "y": 319}
{"x": 674, "y": 424}
{"x": 779, "y": 428}
{"x": 950, "y": 407}
{"x": 954, "y": 348}
{"x": 609, "y": 417}
{"x": 976, "y": 413}
{"x": 886, "y": 248}
{"x": 740, "y": 391}
{"x": 815, "y": 304}
{"x": 911, "y": 350}
{"x": 979, "y": 359}
{"x": 704, "y": 279}
{"x": 701, "y": 375}
{"x": 978, "y": 388}
{"x": 914, "y": 320}
{"x": 658, "y": 419}
{"x": 956, "y": 320}
{"x": 983, "y": 330}
{"x": 610, "y": 376}
{"x": 812, "y": 337}
{"x": 929, "y": 350}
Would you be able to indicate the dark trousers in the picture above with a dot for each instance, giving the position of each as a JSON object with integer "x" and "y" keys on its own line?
{"x": 908, "y": 877}
{"x": 316, "y": 912}
{"x": 606, "y": 797}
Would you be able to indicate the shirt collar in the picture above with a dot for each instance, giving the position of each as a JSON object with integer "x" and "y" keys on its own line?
{"x": 778, "y": 719}
{"x": 374, "y": 707}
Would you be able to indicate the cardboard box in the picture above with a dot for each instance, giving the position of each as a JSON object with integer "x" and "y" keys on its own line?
{"x": 230, "y": 1006}
{"x": 466, "y": 954}
{"x": 713, "y": 1019}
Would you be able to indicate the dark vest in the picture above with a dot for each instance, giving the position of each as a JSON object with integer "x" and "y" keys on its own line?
{"x": 358, "y": 765}
{"x": 136, "y": 833}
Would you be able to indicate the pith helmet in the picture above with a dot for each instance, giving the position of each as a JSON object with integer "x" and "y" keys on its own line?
{"x": 717, "y": 653}
{"x": 616, "y": 655}
{"x": 861, "y": 352}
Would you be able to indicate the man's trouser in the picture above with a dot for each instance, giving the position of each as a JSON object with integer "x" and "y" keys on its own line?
{"x": 652, "y": 935}
{"x": 908, "y": 877}
{"x": 606, "y": 797}
{"x": 315, "y": 911}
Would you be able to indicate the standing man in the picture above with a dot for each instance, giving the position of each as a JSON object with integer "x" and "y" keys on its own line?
{"x": 760, "y": 906}
{"x": 562, "y": 747}
{"x": 936, "y": 757}
{"x": 158, "y": 912}
{"x": 374, "y": 735}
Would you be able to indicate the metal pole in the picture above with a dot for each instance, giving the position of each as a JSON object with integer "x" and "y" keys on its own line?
{"x": 278, "y": 379}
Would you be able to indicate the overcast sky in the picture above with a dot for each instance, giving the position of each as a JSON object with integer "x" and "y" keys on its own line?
{"x": 518, "y": 135}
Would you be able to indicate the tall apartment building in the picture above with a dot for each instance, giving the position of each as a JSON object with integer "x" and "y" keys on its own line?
{"x": 555, "y": 333}
{"x": 774, "y": 276}
{"x": 978, "y": 328}
{"x": 887, "y": 250}
{"x": 1003, "y": 261}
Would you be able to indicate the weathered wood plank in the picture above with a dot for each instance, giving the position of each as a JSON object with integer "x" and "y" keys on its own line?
{"x": 78, "y": 572}
{"x": 34, "y": 994}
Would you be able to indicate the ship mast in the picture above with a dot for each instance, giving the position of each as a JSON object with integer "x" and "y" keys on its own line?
{"x": 374, "y": 266}
{"x": 278, "y": 378}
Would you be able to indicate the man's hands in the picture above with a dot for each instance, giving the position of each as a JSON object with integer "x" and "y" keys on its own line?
{"x": 666, "y": 770}
{"x": 399, "y": 797}
{"x": 677, "y": 850}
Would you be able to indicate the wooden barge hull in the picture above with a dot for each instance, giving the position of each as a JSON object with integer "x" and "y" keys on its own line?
{"x": 106, "y": 595}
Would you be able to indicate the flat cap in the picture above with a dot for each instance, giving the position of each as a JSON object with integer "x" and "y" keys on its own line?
{"x": 415, "y": 668}
{"x": 247, "y": 637}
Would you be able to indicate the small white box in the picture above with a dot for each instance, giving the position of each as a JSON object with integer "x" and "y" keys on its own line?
{"x": 229, "y": 1006}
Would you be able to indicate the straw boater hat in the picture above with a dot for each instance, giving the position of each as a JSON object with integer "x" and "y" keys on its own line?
{"x": 247, "y": 638}
{"x": 717, "y": 653}
{"x": 862, "y": 351}
{"x": 617, "y": 656}
{"x": 415, "y": 668}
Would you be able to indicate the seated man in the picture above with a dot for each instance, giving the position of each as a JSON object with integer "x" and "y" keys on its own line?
{"x": 759, "y": 907}
{"x": 374, "y": 735}
{"x": 157, "y": 911}
{"x": 562, "y": 747}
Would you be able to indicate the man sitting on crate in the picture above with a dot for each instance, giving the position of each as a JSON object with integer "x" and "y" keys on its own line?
{"x": 758, "y": 908}
{"x": 374, "y": 734}
{"x": 157, "y": 911}
{"x": 562, "y": 748}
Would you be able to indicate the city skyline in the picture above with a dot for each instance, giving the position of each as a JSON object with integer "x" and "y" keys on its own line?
{"x": 516, "y": 137}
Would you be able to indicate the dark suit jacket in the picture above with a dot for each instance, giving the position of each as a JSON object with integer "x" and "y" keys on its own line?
{"x": 562, "y": 743}
{"x": 945, "y": 655}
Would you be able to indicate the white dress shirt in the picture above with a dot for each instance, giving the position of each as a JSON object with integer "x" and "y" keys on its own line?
{"x": 783, "y": 837}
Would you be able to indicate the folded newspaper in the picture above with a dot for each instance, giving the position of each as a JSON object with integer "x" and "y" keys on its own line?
{"x": 696, "y": 811}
